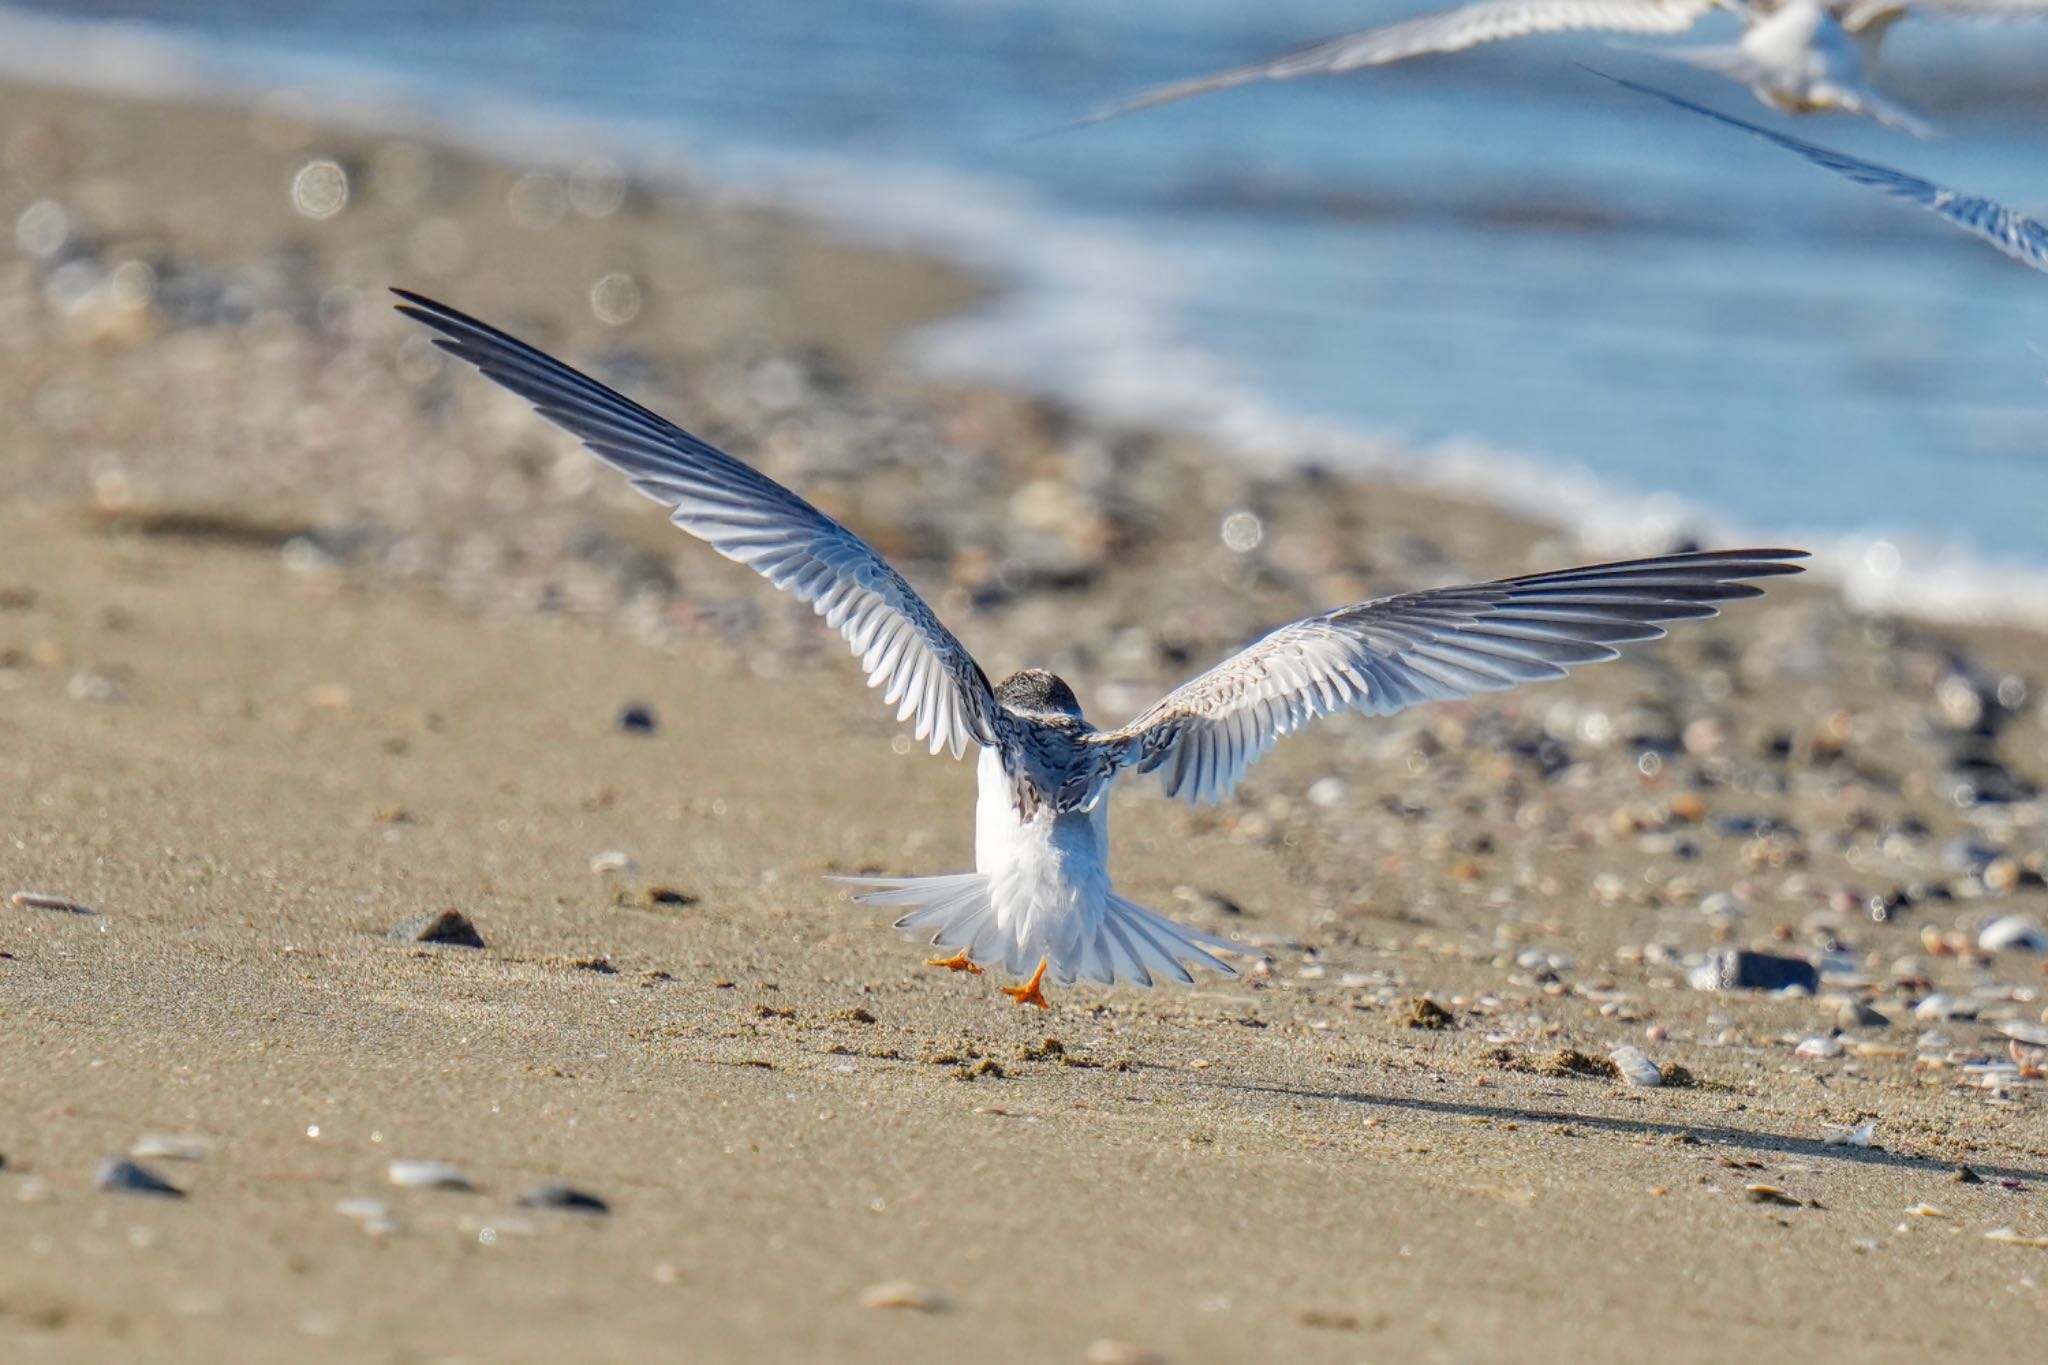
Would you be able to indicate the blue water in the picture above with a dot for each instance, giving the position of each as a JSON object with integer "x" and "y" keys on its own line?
{"x": 1482, "y": 256}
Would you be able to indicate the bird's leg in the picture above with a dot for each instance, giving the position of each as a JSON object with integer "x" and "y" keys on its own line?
{"x": 958, "y": 962}
{"x": 1028, "y": 993}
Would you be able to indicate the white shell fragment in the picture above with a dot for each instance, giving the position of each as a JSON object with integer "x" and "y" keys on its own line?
{"x": 1635, "y": 1066}
{"x": 168, "y": 1147}
{"x": 1845, "y": 1136}
{"x": 43, "y": 900}
{"x": 2012, "y": 933}
{"x": 2013, "y": 1239}
{"x": 373, "y": 1214}
{"x": 428, "y": 1175}
{"x": 2025, "y": 1031}
{"x": 612, "y": 860}
{"x": 1819, "y": 1047}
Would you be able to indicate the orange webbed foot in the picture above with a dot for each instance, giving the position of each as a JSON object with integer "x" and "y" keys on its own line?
{"x": 1028, "y": 993}
{"x": 958, "y": 962}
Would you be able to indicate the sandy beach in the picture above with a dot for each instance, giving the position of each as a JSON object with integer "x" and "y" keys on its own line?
{"x": 306, "y": 635}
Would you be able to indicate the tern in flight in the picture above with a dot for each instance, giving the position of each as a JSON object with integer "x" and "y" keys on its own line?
{"x": 1800, "y": 56}
{"x": 1039, "y": 902}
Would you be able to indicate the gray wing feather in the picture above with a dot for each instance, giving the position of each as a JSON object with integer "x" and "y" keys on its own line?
{"x": 748, "y": 517}
{"x": 2018, "y": 236}
{"x": 1861, "y": 14}
{"x": 1450, "y": 31}
{"x": 1442, "y": 644}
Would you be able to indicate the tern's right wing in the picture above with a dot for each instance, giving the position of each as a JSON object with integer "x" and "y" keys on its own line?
{"x": 1451, "y": 31}
{"x": 1383, "y": 656}
{"x": 747, "y": 516}
{"x": 2022, "y": 238}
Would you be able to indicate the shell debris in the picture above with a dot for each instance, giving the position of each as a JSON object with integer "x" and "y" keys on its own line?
{"x": 169, "y": 1147}
{"x": 904, "y": 1294}
{"x": 1635, "y": 1067}
{"x": 2008, "y": 1237}
{"x": 428, "y": 1175}
{"x": 44, "y": 900}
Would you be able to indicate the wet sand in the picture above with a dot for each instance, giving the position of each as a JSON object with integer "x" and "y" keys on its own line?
{"x": 303, "y": 637}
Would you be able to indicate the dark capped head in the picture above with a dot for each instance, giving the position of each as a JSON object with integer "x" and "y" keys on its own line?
{"x": 1034, "y": 689}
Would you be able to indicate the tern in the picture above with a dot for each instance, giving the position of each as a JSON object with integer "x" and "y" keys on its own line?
{"x": 1040, "y": 899}
{"x": 1796, "y": 55}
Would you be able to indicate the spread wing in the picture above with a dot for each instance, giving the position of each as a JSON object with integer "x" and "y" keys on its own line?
{"x": 1861, "y": 14}
{"x": 1450, "y": 31}
{"x": 2018, "y": 236}
{"x": 1443, "y": 644}
{"x": 747, "y": 516}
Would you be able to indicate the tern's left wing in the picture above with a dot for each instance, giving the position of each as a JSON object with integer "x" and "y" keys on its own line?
{"x": 1487, "y": 21}
{"x": 2018, "y": 236}
{"x": 1441, "y": 644}
{"x": 748, "y": 517}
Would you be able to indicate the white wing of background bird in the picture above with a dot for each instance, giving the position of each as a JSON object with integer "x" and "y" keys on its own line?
{"x": 748, "y": 517}
{"x": 1450, "y": 31}
{"x": 1861, "y": 14}
{"x": 2022, "y": 238}
{"x": 1442, "y": 644}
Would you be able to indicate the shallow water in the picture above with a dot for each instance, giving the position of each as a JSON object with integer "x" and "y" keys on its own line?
{"x": 1495, "y": 259}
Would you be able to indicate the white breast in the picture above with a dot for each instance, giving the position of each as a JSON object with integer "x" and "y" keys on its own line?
{"x": 1048, "y": 874}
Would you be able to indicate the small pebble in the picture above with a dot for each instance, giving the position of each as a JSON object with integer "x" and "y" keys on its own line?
{"x": 450, "y": 928}
{"x": 610, "y": 861}
{"x": 1819, "y": 1047}
{"x": 1738, "y": 969}
{"x": 1635, "y": 1067}
{"x": 118, "y": 1175}
{"x": 637, "y": 718}
{"x": 565, "y": 1197}
{"x": 428, "y": 1175}
{"x": 903, "y": 1294}
{"x": 1770, "y": 1194}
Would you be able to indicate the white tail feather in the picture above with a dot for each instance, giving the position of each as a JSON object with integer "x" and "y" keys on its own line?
{"x": 1122, "y": 941}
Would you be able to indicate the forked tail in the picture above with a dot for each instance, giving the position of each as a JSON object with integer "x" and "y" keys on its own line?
{"x": 1123, "y": 942}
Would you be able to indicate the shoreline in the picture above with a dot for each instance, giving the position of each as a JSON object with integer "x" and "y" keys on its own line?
{"x": 304, "y": 635}
{"x": 1922, "y": 577}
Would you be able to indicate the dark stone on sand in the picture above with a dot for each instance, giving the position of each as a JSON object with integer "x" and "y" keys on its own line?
{"x": 637, "y": 718}
{"x": 565, "y": 1197}
{"x": 1738, "y": 969}
{"x": 118, "y": 1175}
{"x": 450, "y": 928}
